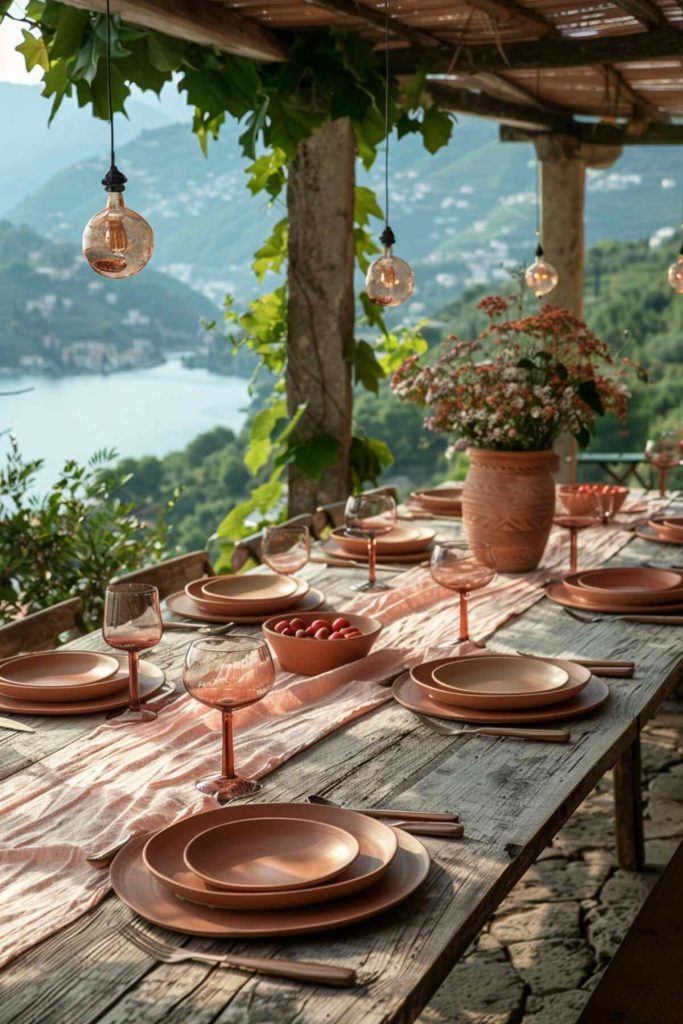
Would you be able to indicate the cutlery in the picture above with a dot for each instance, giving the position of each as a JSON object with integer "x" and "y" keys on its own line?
{"x": 542, "y": 735}
{"x": 383, "y": 812}
{"x": 599, "y": 667}
{"x": 7, "y": 723}
{"x": 159, "y": 700}
{"x": 297, "y": 970}
{"x": 343, "y": 563}
{"x": 195, "y": 628}
{"x": 658, "y": 620}
{"x": 443, "y": 830}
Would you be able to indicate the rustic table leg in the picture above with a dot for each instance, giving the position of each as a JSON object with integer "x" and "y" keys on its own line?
{"x": 628, "y": 808}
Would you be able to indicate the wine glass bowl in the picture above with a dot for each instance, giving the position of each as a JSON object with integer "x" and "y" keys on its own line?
{"x": 370, "y": 515}
{"x": 464, "y": 567}
{"x": 286, "y": 549}
{"x": 573, "y": 518}
{"x": 132, "y": 623}
{"x": 227, "y": 673}
{"x": 664, "y": 453}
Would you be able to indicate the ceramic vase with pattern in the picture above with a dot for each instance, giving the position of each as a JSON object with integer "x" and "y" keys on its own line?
{"x": 508, "y": 502}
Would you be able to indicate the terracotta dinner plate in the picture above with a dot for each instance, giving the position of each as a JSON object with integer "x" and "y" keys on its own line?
{"x": 440, "y": 499}
{"x": 151, "y": 680}
{"x": 670, "y": 527}
{"x": 404, "y": 540}
{"x": 164, "y": 852}
{"x": 335, "y": 551}
{"x": 650, "y": 533}
{"x": 489, "y": 676}
{"x": 408, "y": 693}
{"x": 145, "y": 894}
{"x": 180, "y": 604}
{"x": 218, "y": 606}
{"x": 629, "y": 585}
{"x": 270, "y": 854}
{"x": 562, "y": 594}
{"x": 577, "y": 678}
{"x": 59, "y": 676}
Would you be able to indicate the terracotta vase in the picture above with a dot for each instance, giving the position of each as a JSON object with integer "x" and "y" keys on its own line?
{"x": 508, "y": 502}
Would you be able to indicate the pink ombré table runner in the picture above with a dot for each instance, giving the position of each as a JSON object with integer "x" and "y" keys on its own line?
{"x": 123, "y": 780}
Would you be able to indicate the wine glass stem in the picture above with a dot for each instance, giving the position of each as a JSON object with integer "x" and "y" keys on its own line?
{"x": 133, "y": 680}
{"x": 464, "y": 622}
{"x": 573, "y": 549}
{"x": 372, "y": 558}
{"x": 228, "y": 746}
{"x": 662, "y": 482}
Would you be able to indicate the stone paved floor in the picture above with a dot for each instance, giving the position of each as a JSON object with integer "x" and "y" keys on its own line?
{"x": 550, "y": 941}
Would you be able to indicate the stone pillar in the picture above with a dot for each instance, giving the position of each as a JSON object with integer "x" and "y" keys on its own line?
{"x": 320, "y": 197}
{"x": 563, "y": 182}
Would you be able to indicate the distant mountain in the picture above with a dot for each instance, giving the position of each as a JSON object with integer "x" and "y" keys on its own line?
{"x": 30, "y": 152}
{"x": 56, "y": 315}
{"x": 461, "y": 216}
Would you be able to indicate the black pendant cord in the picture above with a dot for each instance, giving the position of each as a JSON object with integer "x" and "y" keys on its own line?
{"x": 680, "y": 252}
{"x": 113, "y": 180}
{"x": 387, "y": 237}
{"x": 539, "y": 245}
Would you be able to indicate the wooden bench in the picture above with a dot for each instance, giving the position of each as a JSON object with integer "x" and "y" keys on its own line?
{"x": 644, "y": 982}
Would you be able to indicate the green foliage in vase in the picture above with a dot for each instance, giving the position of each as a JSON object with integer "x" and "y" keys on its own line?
{"x": 72, "y": 541}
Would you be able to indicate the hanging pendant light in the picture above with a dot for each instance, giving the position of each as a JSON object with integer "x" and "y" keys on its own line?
{"x": 540, "y": 276}
{"x": 675, "y": 275}
{"x": 389, "y": 280}
{"x": 117, "y": 242}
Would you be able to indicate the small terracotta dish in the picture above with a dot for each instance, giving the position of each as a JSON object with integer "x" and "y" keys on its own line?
{"x": 244, "y": 605}
{"x": 670, "y": 527}
{"x": 628, "y": 585}
{"x": 307, "y": 656}
{"x": 572, "y": 597}
{"x": 650, "y": 532}
{"x": 270, "y": 854}
{"x": 257, "y": 586}
{"x": 401, "y": 540}
{"x": 59, "y": 676}
{"x": 500, "y": 677}
{"x": 440, "y": 499}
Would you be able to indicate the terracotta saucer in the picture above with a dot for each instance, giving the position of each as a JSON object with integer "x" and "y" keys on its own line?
{"x": 408, "y": 693}
{"x": 180, "y": 604}
{"x": 439, "y": 499}
{"x": 403, "y": 540}
{"x": 59, "y": 676}
{"x": 218, "y": 605}
{"x": 147, "y": 896}
{"x": 256, "y": 586}
{"x": 489, "y": 676}
{"x": 163, "y": 856}
{"x": 151, "y": 680}
{"x": 670, "y": 527}
{"x": 270, "y": 854}
{"x": 578, "y": 677}
{"x": 631, "y": 580}
{"x": 649, "y": 533}
{"x": 335, "y": 551}
{"x": 562, "y": 594}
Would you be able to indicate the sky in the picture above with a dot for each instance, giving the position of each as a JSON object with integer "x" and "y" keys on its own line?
{"x": 12, "y": 63}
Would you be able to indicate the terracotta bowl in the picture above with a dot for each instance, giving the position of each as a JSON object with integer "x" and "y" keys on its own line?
{"x": 627, "y": 585}
{"x": 400, "y": 540}
{"x": 579, "y": 499}
{"x": 309, "y": 657}
{"x": 440, "y": 499}
{"x": 670, "y": 527}
{"x": 244, "y": 605}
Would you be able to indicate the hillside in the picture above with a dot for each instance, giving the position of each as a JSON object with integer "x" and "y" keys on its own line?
{"x": 56, "y": 315}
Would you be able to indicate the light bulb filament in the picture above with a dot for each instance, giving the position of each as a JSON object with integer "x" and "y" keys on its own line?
{"x": 115, "y": 235}
{"x": 388, "y": 276}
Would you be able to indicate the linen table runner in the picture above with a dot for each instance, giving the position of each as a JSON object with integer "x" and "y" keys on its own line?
{"x": 121, "y": 780}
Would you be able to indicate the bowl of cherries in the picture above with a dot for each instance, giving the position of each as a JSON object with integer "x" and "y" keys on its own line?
{"x": 315, "y": 642}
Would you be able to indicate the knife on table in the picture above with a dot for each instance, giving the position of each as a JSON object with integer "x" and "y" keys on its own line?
{"x": 8, "y": 723}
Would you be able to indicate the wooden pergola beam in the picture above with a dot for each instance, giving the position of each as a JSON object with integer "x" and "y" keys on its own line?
{"x": 197, "y": 21}
{"x": 545, "y": 54}
{"x": 607, "y": 134}
{"x": 644, "y": 11}
{"x": 375, "y": 16}
{"x": 640, "y": 104}
{"x": 521, "y": 115}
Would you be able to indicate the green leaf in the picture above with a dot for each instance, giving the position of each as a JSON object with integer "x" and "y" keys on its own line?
{"x": 273, "y": 252}
{"x": 314, "y": 456}
{"x": 588, "y": 393}
{"x": 34, "y": 51}
{"x": 526, "y": 364}
{"x": 70, "y": 28}
{"x": 165, "y": 54}
{"x": 366, "y": 368}
{"x": 289, "y": 125}
{"x": 437, "y": 128}
{"x": 368, "y": 457}
{"x": 255, "y": 122}
{"x": 561, "y": 371}
{"x": 365, "y": 205}
{"x": 260, "y": 440}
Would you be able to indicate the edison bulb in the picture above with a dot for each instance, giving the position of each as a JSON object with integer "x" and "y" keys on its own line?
{"x": 676, "y": 275}
{"x": 541, "y": 277}
{"x": 117, "y": 242}
{"x": 389, "y": 280}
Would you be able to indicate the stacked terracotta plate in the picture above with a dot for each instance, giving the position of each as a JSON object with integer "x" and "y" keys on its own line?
{"x": 70, "y": 682}
{"x": 500, "y": 689}
{"x": 268, "y": 870}
{"x": 438, "y": 501}
{"x": 665, "y": 530}
{"x": 402, "y": 544}
{"x": 252, "y": 597}
{"x": 625, "y": 589}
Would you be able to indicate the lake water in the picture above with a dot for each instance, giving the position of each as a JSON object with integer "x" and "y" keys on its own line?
{"x": 140, "y": 412}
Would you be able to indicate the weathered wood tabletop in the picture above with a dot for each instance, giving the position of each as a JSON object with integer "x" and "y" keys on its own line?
{"x": 513, "y": 796}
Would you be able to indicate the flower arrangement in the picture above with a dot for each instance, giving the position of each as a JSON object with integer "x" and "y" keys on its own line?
{"x": 521, "y": 383}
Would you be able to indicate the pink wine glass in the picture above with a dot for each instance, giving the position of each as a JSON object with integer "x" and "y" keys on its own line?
{"x": 463, "y": 567}
{"x": 228, "y": 673}
{"x": 369, "y": 516}
{"x": 286, "y": 549}
{"x": 132, "y": 623}
{"x": 575, "y": 517}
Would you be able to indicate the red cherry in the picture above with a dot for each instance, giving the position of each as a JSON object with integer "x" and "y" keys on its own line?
{"x": 319, "y": 624}
{"x": 287, "y": 632}
{"x": 279, "y": 626}
{"x": 340, "y": 624}
{"x": 323, "y": 633}
{"x": 350, "y": 629}
{"x": 300, "y": 633}
{"x": 336, "y": 636}
{"x": 352, "y": 635}
{"x": 310, "y": 631}
{"x": 297, "y": 623}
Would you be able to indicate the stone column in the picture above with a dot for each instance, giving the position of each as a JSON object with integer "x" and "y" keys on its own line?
{"x": 563, "y": 181}
{"x": 320, "y": 197}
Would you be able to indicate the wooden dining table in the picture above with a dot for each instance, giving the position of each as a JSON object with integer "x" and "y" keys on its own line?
{"x": 512, "y": 796}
